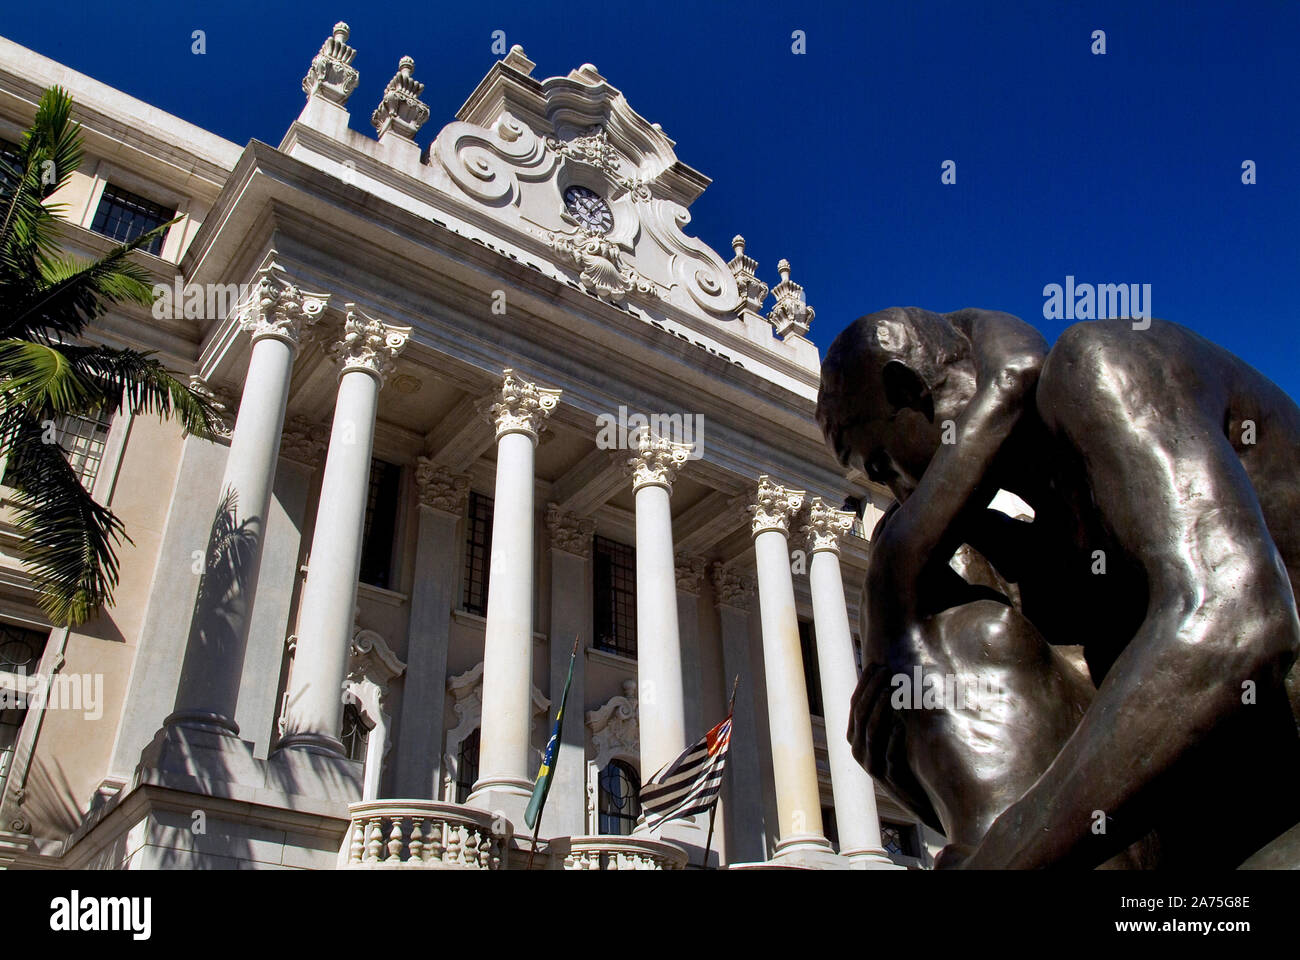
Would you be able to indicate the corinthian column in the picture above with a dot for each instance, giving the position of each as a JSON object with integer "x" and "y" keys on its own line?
{"x": 275, "y": 316}
{"x": 366, "y": 354}
{"x": 505, "y": 781}
{"x": 855, "y": 794}
{"x": 794, "y": 766}
{"x": 658, "y": 655}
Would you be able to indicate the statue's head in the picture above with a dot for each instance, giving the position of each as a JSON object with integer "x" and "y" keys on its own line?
{"x": 889, "y": 382}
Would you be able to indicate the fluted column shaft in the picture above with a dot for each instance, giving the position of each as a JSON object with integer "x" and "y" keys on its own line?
{"x": 855, "y": 794}
{"x": 326, "y": 624}
{"x": 505, "y": 735}
{"x": 794, "y": 764}
{"x": 214, "y": 656}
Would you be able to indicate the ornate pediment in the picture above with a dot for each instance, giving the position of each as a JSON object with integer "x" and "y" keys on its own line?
{"x": 518, "y": 145}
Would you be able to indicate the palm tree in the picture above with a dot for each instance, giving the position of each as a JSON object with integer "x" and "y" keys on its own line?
{"x": 48, "y": 371}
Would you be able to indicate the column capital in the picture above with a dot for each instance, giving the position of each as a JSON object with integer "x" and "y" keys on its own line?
{"x": 690, "y": 573}
{"x": 439, "y": 488}
{"x": 279, "y": 309}
{"x": 368, "y": 344}
{"x": 656, "y": 461}
{"x": 824, "y": 526}
{"x": 304, "y": 442}
{"x": 226, "y": 405}
{"x": 521, "y": 406}
{"x": 774, "y": 506}
{"x": 569, "y": 532}
{"x": 730, "y": 587}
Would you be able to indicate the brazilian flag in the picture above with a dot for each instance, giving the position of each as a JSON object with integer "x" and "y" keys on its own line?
{"x": 547, "y": 770}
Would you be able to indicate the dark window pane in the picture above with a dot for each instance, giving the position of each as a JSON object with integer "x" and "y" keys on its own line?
{"x": 355, "y": 733}
{"x": 123, "y": 216}
{"x": 899, "y": 839}
{"x": 21, "y": 649}
{"x": 615, "y": 596}
{"x": 620, "y": 799}
{"x": 478, "y": 553}
{"x": 830, "y": 829}
{"x": 808, "y": 644}
{"x": 466, "y": 766}
{"x": 11, "y": 724}
{"x": 381, "y": 523}
{"x": 82, "y": 439}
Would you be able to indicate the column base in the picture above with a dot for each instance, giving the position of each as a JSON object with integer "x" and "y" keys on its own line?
{"x": 870, "y": 858}
{"x": 318, "y": 743}
{"x": 220, "y": 765}
{"x": 212, "y": 722}
{"x": 505, "y": 797}
{"x": 801, "y": 852}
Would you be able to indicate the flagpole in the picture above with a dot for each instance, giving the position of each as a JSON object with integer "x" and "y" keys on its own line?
{"x": 541, "y": 809}
{"x": 708, "y": 843}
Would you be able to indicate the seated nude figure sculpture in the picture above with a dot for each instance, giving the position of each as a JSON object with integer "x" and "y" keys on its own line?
{"x": 1164, "y": 476}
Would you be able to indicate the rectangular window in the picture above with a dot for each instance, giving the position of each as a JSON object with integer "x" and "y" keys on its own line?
{"x": 123, "y": 216}
{"x": 899, "y": 839}
{"x": 82, "y": 440}
{"x": 808, "y": 644}
{"x": 381, "y": 523}
{"x": 478, "y": 553}
{"x": 615, "y": 582}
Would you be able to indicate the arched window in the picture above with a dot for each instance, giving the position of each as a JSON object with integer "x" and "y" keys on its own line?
{"x": 466, "y": 766}
{"x": 354, "y": 733}
{"x": 620, "y": 798}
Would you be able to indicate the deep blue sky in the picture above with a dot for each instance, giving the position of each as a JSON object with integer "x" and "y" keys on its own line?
{"x": 1117, "y": 168}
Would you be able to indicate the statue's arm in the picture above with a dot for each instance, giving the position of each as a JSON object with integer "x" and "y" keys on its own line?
{"x": 1009, "y": 354}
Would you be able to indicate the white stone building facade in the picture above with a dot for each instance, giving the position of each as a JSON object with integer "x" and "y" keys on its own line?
{"x": 485, "y": 396}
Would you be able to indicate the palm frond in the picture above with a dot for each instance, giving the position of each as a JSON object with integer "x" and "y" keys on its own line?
{"x": 72, "y": 293}
{"x": 70, "y": 539}
{"x": 49, "y": 153}
{"x": 43, "y": 379}
{"x": 148, "y": 386}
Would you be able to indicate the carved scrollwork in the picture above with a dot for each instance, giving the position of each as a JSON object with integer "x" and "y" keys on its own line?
{"x": 488, "y": 165}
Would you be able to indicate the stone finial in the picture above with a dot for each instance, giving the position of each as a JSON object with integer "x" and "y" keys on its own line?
{"x": 401, "y": 110}
{"x": 730, "y": 587}
{"x": 517, "y": 60}
{"x": 521, "y": 406}
{"x": 331, "y": 75}
{"x": 569, "y": 532}
{"x": 791, "y": 313}
{"x": 774, "y": 506}
{"x": 656, "y": 460}
{"x": 689, "y": 572}
{"x": 752, "y": 290}
{"x": 825, "y": 525}
{"x": 439, "y": 488}
{"x": 369, "y": 344}
{"x": 278, "y": 308}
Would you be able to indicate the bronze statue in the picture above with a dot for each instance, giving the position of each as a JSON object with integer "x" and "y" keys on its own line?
{"x": 1164, "y": 476}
